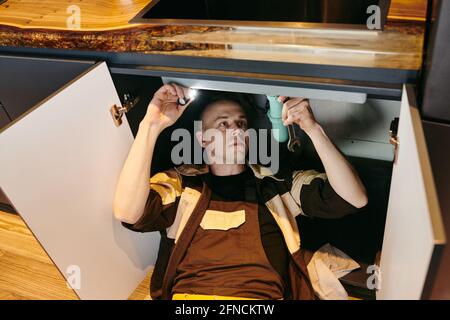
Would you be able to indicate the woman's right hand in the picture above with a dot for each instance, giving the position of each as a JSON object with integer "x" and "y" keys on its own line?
{"x": 164, "y": 110}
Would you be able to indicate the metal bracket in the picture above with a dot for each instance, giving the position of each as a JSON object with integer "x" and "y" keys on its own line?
{"x": 117, "y": 112}
{"x": 393, "y": 136}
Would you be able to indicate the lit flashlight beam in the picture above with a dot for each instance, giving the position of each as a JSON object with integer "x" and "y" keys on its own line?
{"x": 191, "y": 96}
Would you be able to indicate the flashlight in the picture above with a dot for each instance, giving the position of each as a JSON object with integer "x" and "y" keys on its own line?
{"x": 191, "y": 96}
{"x": 283, "y": 133}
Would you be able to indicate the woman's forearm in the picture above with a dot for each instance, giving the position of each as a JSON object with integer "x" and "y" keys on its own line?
{"x": 341, "y": 175}
{"x": 133, "y": 185}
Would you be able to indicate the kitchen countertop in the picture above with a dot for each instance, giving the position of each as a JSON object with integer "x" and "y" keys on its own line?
{"x": 105, "y": 27}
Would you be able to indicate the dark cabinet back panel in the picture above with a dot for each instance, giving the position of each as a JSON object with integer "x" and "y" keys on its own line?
{"x": 4, "y": 118}
{"x": 435, "y": 133}
{"x": 436, "y": 93}
{"x": 26, "y": 81}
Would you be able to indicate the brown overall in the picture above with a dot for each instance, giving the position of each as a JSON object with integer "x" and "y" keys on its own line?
{"x": 226, "y": 256}
{"x": 304, "y": 192}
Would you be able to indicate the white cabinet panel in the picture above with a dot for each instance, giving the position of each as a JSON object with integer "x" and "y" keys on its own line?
{"x": 413, "y": 226}
{"x": 59, "y": 166}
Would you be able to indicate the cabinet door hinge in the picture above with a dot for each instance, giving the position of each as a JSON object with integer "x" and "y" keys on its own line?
{"x": 117, "y": 112}
{"x": 393, "y": 137}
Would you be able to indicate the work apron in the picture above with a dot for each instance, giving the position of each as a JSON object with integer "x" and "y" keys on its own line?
{"x": 226, "y": 256}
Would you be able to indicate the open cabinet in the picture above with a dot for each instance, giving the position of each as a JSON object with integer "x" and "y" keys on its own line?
{"x": 59, "y": 165}
{"x": 60, "y": 160}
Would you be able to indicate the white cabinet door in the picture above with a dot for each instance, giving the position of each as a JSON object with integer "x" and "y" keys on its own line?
{"x": 414, "y": 226}
{"x": 59, "y": 166}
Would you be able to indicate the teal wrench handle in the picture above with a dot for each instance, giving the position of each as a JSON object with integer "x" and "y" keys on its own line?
{"x": 281, "y": 132}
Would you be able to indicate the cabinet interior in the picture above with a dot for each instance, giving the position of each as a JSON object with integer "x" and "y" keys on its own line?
{"x": 360, "y": 131}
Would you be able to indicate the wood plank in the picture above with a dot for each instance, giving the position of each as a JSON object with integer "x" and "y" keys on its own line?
{"x": 52, "y": 14}
{"x": 17, "y": 239}
{"x": 32, "y": 279}
{"x": 408, "y": 10}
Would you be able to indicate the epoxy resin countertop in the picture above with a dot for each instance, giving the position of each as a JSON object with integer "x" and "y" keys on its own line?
{"x": 104, "y": 26}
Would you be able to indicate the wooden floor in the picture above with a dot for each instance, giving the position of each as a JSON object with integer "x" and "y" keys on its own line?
{"x": 26, "y": 271}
